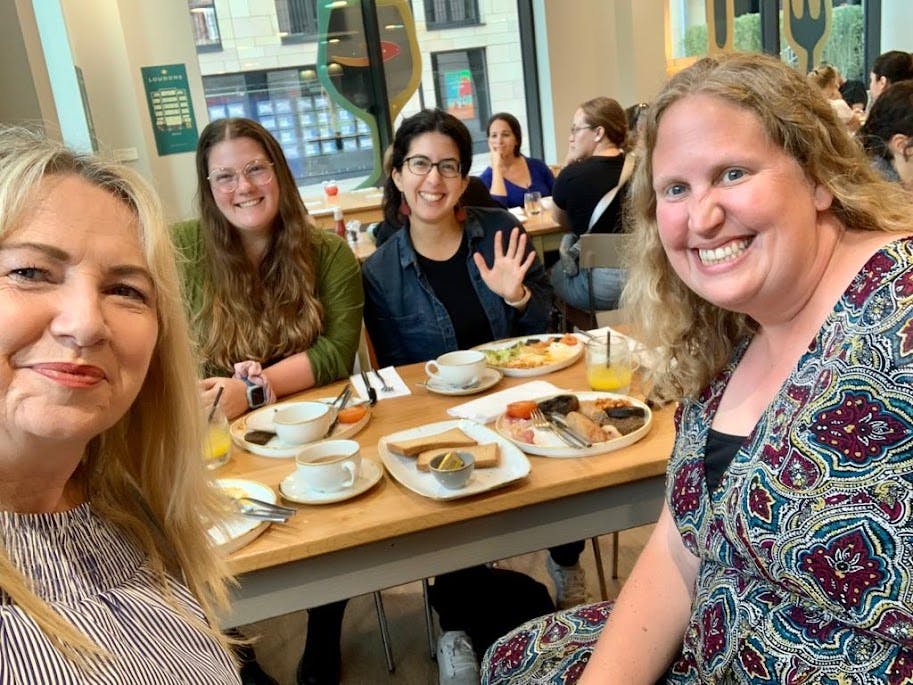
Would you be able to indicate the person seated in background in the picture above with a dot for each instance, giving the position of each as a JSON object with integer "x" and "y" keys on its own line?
{"x": 107, "y": 573}
{"x": 770, "y": 276}
{"x": 454, "y": 277}
{"x": 854, "y": 94}
{"x": 511, "y": 174}
{"x": 826, "y": 78}
{"x": 888, "y": 134}
{"x": 276, "y": 307}
{"x": 589, "y": 195}
{"x": 889, "y": 67}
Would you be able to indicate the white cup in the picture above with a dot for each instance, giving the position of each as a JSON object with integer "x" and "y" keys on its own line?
{"x": 303, "y": 422}
{"x": 328, "y": 466}
{"x": 456, "y": 368}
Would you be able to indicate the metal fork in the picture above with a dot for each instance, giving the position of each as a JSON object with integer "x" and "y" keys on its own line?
{"x": 384, "y": 386}
{"x": 541, "y": 421}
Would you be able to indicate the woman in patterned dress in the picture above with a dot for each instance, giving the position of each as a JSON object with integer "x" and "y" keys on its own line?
{"x": 107, "y": 574}
{"x": 775, "y": 277}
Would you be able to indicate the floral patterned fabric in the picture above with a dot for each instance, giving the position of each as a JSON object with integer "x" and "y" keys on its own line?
{"x": 549, "y": 650}
{"x": 806, "y": 551}
{"x": 806, "y": 546}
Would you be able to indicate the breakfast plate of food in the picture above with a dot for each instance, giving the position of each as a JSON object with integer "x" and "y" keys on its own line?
{"x": 606, "y": 421}
{"x": 256, "y": 432}
{"x": 237, "y": 530}
{"x": 408, "y": 454}
{"x": 532, "y": 356}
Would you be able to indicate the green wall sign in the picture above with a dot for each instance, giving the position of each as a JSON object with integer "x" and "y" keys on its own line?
{"x": 170, "y": 108}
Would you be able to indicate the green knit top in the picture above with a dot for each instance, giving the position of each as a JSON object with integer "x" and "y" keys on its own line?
{"x": 339, "y": 289}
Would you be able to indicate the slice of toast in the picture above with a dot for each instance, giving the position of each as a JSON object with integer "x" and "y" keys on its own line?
{"x": 486, "y": 455}
{"x": 451, "y": 438}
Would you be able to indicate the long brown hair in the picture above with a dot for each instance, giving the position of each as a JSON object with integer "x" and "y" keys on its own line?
{"x": 265, "y": 312}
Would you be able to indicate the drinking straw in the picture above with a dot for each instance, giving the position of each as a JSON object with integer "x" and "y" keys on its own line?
{"x": 608, "y": 349}
{"x": 215, "y": 403}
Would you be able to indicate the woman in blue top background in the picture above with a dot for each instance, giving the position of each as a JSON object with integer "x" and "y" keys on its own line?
{"x": 511, "y": 175}
{"x": 453, "y": 278}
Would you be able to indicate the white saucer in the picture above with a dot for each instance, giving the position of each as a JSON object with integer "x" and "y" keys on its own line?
{"x": 489, "y": 378}
{"x": 368, "y": 476}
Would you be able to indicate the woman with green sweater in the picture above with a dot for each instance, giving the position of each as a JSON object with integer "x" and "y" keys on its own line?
{"x": 272, "y": 299}
{"x": 275, "y": 306}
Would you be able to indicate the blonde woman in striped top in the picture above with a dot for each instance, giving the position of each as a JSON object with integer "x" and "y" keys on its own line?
{"x": 106, "y": 572}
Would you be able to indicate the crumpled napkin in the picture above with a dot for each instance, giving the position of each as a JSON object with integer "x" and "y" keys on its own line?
{"x": 490, "y": 407}
{"x": 393, "y": 380}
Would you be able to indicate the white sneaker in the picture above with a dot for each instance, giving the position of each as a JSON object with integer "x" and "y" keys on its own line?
{"x": 456, "y": 659}
{"x": 570, "y": 583}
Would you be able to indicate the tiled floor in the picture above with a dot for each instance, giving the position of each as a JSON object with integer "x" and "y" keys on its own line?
{"x": 282, "y": 639}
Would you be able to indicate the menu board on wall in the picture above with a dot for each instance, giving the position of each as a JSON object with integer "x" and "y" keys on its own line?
{"x": 170, "y": 108}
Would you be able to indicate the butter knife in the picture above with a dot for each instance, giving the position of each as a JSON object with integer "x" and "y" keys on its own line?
{"x": 559, "y": 422}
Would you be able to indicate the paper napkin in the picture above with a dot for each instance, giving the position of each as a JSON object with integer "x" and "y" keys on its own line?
{"x": 392, "y": 378}
{"x": 490, "y": 407}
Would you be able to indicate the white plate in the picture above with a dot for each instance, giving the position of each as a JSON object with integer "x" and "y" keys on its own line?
{"x": 538, "y": 370}
{"x": 514, "y": 464}
{"x": 490, "y": 378}
{"x": 548, "y": 444}
{"x": 368, "y": 476}
{"x": 262, "y": 420}
{"x": 237, "y": 531}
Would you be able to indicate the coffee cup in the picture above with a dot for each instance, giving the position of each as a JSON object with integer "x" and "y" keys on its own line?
{"x": 456, "y": 368}
{"x": 303, "y": 422}
{"x": 328, "y": 466}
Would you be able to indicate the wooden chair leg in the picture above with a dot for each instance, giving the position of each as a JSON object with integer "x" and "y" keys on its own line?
{"x": 600, "y": 571}
{"x": 384, "y": 631}
{"x": 615, "y": 555}
{"x": 429, "y": 621}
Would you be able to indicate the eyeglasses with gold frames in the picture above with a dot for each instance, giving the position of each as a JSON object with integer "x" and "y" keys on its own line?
{"x": 257, "y": 171}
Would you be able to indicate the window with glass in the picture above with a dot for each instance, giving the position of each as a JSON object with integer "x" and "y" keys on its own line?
{"x": 297, "y": 20}
{"x": 321, "y": 140}
{"x": 440, "y": 14}
{"x": 461, "y": 88}
{"x": 279, "y": 70}
{"x": 205, "y": 26}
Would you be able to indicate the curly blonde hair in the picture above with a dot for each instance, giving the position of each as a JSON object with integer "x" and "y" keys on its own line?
{"x": 694, "y": 338}
{"x": 266, "y": 312}
{"x": 145, "y": 473}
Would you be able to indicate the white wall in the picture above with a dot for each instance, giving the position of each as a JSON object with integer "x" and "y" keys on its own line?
{"x": 601, "y": 47}
{"x": 896, "y": 20}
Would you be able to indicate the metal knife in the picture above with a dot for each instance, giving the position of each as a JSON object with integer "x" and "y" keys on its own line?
{"x": 372, "y": 393}
{"x": 559, "y": 422}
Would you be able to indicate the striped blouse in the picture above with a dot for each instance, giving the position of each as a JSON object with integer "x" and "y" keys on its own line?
{"x": 91, "y": 572}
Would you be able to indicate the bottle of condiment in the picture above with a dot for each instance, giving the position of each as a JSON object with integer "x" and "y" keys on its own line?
{"x": 340, "y": 222}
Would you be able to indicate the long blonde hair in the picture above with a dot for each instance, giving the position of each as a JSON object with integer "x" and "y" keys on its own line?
{"x": 694, "y": 338}
{"x": 145, "y": 473}
{"x": 260, "y": 313}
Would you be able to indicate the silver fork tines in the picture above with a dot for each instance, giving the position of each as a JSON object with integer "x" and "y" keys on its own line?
{"x": 384, "y": 386}
{"x": 540, "y": 421}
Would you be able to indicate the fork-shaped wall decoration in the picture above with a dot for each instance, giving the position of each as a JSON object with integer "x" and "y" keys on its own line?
{"x": 720, "y": 26}
{"x": 807, "y": 25}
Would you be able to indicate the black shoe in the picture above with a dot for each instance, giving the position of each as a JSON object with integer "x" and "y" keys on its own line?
{"x": 253, "y": 674}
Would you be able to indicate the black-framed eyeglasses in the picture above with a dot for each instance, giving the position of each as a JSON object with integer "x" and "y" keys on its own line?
{"x": 574, "y": 128}
{"x": 257, "y": 171}
{"x": 422, "y": 166}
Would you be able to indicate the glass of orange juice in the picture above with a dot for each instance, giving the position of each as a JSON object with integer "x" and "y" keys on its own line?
{"x": 609, "y": 364}
{"x": 217, "y": 449}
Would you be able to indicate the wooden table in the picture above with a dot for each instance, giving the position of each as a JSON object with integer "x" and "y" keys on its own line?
{"x": 390, "y": 535}
{"x": 544, "y": 231}
{"x": 364, "y": 204}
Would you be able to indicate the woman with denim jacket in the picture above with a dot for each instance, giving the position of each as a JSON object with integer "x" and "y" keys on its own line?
{"x": 456, "y": 277}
